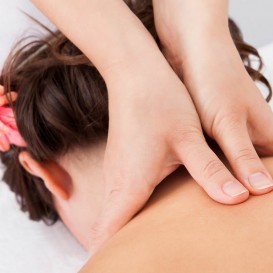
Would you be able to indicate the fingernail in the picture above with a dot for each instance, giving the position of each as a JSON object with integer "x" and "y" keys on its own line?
{"x": 260, "y": 181}
{"x": 233, "y": 189}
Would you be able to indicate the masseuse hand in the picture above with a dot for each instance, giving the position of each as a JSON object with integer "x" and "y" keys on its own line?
{"x": 198, "y": 45}
{"x": 154, "y": 126}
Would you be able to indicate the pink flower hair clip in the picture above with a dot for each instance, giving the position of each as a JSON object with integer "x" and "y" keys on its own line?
{"x": 9, "y": 133}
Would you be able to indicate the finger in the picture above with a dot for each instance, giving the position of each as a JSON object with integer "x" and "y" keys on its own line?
{"x": 209, "y": 172}
{"x": 244, "y": 160}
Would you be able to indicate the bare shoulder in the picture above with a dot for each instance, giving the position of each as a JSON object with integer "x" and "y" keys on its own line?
{"x": 182, "y": 230}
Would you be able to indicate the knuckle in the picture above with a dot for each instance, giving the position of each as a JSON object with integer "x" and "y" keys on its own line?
{"x": 221, "y": 125}
{"x": 188, "y": 143}
{"x": 188, "y": 136}
{"x": 212, "y": 168}
{"x": 245, "y": 155}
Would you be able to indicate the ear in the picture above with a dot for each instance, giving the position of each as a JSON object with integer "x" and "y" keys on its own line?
{"x": 56, "y": 179}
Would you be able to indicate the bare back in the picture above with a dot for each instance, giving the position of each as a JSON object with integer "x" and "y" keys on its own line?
{"x": 182, "y": 230}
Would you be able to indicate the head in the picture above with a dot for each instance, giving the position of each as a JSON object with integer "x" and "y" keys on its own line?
{"x": 61, "y": 112}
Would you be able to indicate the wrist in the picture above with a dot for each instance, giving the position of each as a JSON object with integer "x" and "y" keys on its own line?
{"x": 107, "y": 32}
{"x": 134, "y": 56}
{"x": 142, "y": 64}
{"x": 185, "y": 26}
{"x": 202, "y": 43}
{"x": 147, "y": 76}
{"x": 195, "y": 13}
{"x": 205, "y": 58}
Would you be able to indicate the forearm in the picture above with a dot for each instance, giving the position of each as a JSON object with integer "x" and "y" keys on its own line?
{"x": 210, "y": 11}
{"x": 192, "y": 30}
{"x": 201, "y": 22}
{"x": 106, "y": 31}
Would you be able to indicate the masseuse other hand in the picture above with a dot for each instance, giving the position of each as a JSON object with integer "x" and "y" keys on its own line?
{"x": 154, "y": 128}
{"x": 198, "y": 44}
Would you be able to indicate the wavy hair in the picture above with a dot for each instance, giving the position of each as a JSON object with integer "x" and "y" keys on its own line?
{"x": 62, "y": 104}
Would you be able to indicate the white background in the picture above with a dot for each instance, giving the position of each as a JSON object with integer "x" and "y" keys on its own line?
{"x": 255, "y": 18}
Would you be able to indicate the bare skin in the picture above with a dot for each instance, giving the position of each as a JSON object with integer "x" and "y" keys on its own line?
{"x": 154, "y": 122}
{"x": 182, "y": 230}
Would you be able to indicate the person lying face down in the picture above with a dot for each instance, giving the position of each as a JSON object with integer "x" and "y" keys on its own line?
{"x": 61, "y": 114}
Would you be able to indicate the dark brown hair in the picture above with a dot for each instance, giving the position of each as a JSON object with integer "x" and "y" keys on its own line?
{"x": 62, "y": 104}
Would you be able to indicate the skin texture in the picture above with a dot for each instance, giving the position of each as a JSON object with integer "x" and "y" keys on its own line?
{"x": 171, "y": 134}
{"x": 182, "y": 230}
